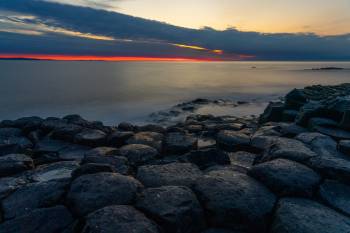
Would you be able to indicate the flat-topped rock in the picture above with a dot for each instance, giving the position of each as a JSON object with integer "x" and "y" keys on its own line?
{"x": 242, "y": 158}
{"x": 236, "y": 201}
{"x": 91, "y": 192}
{"x": 176, "y": 174}
{"x": 152, "y": 139}
{"x": 102, "y": 151}
{"x": 46, "y": 220}
{"x": 92, "y": 168}
{"x": 54, "y": 171}
{"x": 232, "y": 140}
{"x": 121, "y": 219}
{"x": 15, "y": 163}
{"x": 119, "y": 163}
{"x": 286, "y": 178}
{"x": 305, "y": 216}
{"x": 179, "y": 143}
{"x": 91, "y": 137}
{"x": 66, "y": 132}
{"x": 175, "y": 208}
{"x": 336, "y": 195}
{"x": 138, "y": 154}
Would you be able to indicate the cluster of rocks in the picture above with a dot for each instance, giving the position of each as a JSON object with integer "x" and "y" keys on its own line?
{"x": 204, "y": 175}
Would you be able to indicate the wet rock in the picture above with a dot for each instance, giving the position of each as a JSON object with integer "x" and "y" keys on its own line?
{"x": 331, "y": 167}
{"x": 296, "y": 99}
{"x": 91, "y": 137}
{"x": 336, "y": 195}
{"x": 66, "y": 132}
{"x": 242, "y": 159}
{"x": 208, "y": 157}
{"x": 175, "y": 208}
{"x": 344, "y": 147}
{"x": 273, "y": 113}
{"x": 151, "y": 128}
{"x": 14, "y": 163}
{"x": 47, "y": 220}
{"x": 147, "y": 138}
{"x": 121, "y": 219}
{"x": 9, "y": 185}
{"x": 286, "y": 178}
{"x": 305, "y": 216}
{"x": 119, "y": 138}
{"x": 232, "y": 140}
{"x": 125, "y": 126}
{"x": 92, "y": 168}
{"x": 91, "y": 192}
{"x": 179, "y": 143}
{"x": 308, "y": 111}
{"x": 33, "y": 196}
{"x": 177, "y": 174}
{"x": 234, "y": 200}
{"x": 138, "y": 154}
{"x": 54, "y": 171}
{"x": 102, "y": 151}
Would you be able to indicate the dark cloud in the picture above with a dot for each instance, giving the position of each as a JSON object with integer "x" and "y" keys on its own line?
{"x": 112, "y": 24}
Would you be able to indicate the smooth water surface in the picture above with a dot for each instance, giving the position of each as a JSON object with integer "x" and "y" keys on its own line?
{"x": 130, "y": 91}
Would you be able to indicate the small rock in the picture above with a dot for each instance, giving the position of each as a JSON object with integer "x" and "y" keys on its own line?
{"x": 305, "y": 216}
{"x": 233, "y": 140}
{"x": 121, "y": 219}
{"x": 336, "y": 195}
{"x": 14, "y": 163}
{"x": 91, "y": 192}
{"x": 175, "y": 208}
{"x": 138, "y": 154}
{"x": 177, "y": 174}
{"x": 286, "y": 178}
{"x": 91, "y": 137}
{"x": 47, "y": 220}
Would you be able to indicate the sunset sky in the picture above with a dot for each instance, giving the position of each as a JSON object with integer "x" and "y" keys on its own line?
{"x": 182, "y": 29}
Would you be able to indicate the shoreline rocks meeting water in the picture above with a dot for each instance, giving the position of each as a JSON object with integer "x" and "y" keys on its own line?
{"x": 285, "y": 172}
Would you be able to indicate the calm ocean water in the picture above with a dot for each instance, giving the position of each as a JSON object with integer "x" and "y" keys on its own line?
{"x": 114, "y": 92}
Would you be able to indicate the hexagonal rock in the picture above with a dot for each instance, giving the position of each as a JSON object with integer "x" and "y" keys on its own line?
{"x": 305, "y": 216}
{"x": 33, "y": 196}
{"x": 152, "y": 139}
{"x": 121, "y": 219}
{"x": 178, "y": 174}
{"x": 234, "y": 200}
{"x": 46, "y": 220}
{"x": 175, "y": 208}
{"x": 336, "y": 195}
{"x": 91, "y": 192}
{"x": 91, "y": 137}
{"x": 179, "y": 143}
{"x": 15, "y": 163}
{"x": 233, "y": 140}
{"x": 138, "y": 154}
{"x": 286, "y": 178}
{"x": 344, "y": 147}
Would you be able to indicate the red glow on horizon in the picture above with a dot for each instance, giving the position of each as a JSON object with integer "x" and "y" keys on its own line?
{"x": 60, "y": 57}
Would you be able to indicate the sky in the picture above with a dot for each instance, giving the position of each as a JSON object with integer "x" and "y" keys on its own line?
{"x": 203, "y": 29}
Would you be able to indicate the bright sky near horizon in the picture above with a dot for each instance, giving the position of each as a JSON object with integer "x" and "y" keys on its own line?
{"x": 325, "y": 17}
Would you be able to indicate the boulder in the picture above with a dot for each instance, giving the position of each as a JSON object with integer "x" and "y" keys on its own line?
{"x": 91, "y": 137}
{"x": 92, "y": 168}
{"x": 54, "y": 171}
{"x": 305, "y": 216}
{"x": 233, "y": 140}
{"x": 12, "y": 141}
{"x": 52, "y": 123}
{"x": 175, "y": 208}
{"x": 15, "y": 163}
{"x": 344, "y": 147}
{"x": 179, "y": 143}
{"x": 336, "y": 195}
{"x": 208, "y": 157}
{"x": 289, "y": 115}
{"x": 119, "y": 163}
{"x": 286, "y": 178}
{"x": 234, "y": 200}
{"x": 308, "y": 111}
{"x": 273, "y": 112}
{"x": 138, "y": 154}
{"x": 9, "y": 185}
{"x": 177, "y": 174}
{"x": 295, "y": 99}
{"x": 28, "y": 124}
{"x": 242, "y": 159}
{"x": 147, "y": 138}
{"x": 102, "y": 151}
{"x": 33, "y": 196}
{"x": 66, "y": 132}
{"x": 151, "y": 128}
{"x": 334, "y": 132}
{"x": 91, "y": 192}
{"x": 121, "y": 219}
{"x": 292, "y": 130}
{"x": 46, "y": 220}
{"x": 119, "y": 138}
{"x": 125, "y": 126}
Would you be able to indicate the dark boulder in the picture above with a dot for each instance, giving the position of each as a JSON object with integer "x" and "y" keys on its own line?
{"x": 336, "y": 195}
{"x": 305, "y": 216}
{"x": 273, "y": 113}
{"x": 118, "y": 219}
{"x": 92, "y": 168}
{"x": 91, "y": 192}
{"x": 12, "y": 141}
{"x": 138, "y": 154}
{"x": 102, "y": 151}
{"x": 152, "y": 139}
{"x": 308, "y": 111}
{"x": 179, "y": 143}
{"x": 176, "y": 209}
{"x": 208, "y": 157}
{"x": 233, "y": 140}
{"x": 242, "y": 159}
{"x": 9, "y": 184}
{"x": 119, "y": 138}
{"x": 28, "y": 124}
{"x": 66, "y": 132}
{"x": 15, "y": 163}
{"x": 151, "y": 128}
{"x": 119, "y": 163}
{"x": 54, "y": 171}
{"x": 125, "y": 126}
{"x": 344, "y": 147}
{"x": 296, "y": 99}
{"x": 236, "y": 201}
{"x": 49, "y": 220}
{"x": 91, "y": 137}
{"x": 286, "y": 178}
{"x": 177, "y": 174}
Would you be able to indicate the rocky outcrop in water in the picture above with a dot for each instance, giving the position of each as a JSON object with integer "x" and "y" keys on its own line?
{"x": 288, "y": 173}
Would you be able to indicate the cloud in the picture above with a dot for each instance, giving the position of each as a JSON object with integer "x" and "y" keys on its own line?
{"x": 90, "y": 21}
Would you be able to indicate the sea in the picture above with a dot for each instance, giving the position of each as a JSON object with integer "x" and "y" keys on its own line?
{"x": 113, "y": 92}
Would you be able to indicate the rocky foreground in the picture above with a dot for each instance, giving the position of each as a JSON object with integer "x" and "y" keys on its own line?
{"x": 288, "y": 172}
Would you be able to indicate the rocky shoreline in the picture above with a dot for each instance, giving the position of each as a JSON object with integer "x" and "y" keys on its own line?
{"x": 285, "y": 172}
